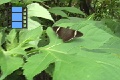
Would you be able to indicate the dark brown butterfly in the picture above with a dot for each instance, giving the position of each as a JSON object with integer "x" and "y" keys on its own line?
{"x": 67, "y": 34}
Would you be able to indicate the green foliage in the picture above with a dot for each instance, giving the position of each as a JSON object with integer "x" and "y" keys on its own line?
{"x": 9, "y": 64}
{"x": 107, "y": 9}
{"x": 60, "y": 11}
{"x": 4, "y": 1}
{"x": 25, "y": 53}
{"x": 41, "y": 11}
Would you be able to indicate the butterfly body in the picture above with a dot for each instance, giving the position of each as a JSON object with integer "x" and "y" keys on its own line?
{"x": 67, "y": 34}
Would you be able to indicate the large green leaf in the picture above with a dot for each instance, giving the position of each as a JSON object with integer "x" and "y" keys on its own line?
{"x": 112, "y": 46}
{"x": 42, "y": 60}
{"x": 89, "y": 40}
{"x": 37, "y": 10}
{"x": 11, "y": 41}
{"x": 37, "y": 63}
{"x": 9, "y": 64}
{"x": 89, "y": 66}
{"x": 80, "y": 64}
{"x": 17, "y": 51}
{"x": 33, "y": 23}
{"x": 93, "y": 36}
{"x": 11, "y": 36}
{"x": 72, "y": 61}
{"x": 59, "y": 10}
{"x": 31, "y": 35}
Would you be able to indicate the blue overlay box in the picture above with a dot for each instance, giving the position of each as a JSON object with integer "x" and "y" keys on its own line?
{"x": 16, "y": 24}
{"x": 16, "y": 16}
{"x": 16, "y": 9}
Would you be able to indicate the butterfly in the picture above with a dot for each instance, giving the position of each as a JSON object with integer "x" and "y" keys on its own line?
{"x": 66, "y": 34}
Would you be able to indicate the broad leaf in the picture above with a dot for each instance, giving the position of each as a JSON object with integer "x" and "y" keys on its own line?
{"x": 37, "y": 10}
{"x": 33, "y": 23}
{"x": 11, "y": 41}
{"x": 112, "y": 46}
{"x": 9, "y": 64}
{"x": 90, "y": 66}
{"x": 31, "y": 35}
{"x": 37, "y": 63}
{"x": 59, "y": 10}
{"x": 11, "y": 36}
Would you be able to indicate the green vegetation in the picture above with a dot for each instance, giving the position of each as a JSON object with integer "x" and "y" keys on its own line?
{"x": 37, "y": 53}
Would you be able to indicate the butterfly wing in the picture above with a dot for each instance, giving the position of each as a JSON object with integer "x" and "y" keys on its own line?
{"x": 67, "y": 34}
{"x": 78, "y": 34}
{"x": 55, "y": 29}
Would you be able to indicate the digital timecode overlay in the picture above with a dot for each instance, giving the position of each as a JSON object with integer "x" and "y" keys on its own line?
{"x": 17, "y": 17}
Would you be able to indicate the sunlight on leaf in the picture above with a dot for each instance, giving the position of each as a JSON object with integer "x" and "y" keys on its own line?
{"x": 31, "y": 35}
{"x": 37, "y": 10}
{"x": 32, "y": 24}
